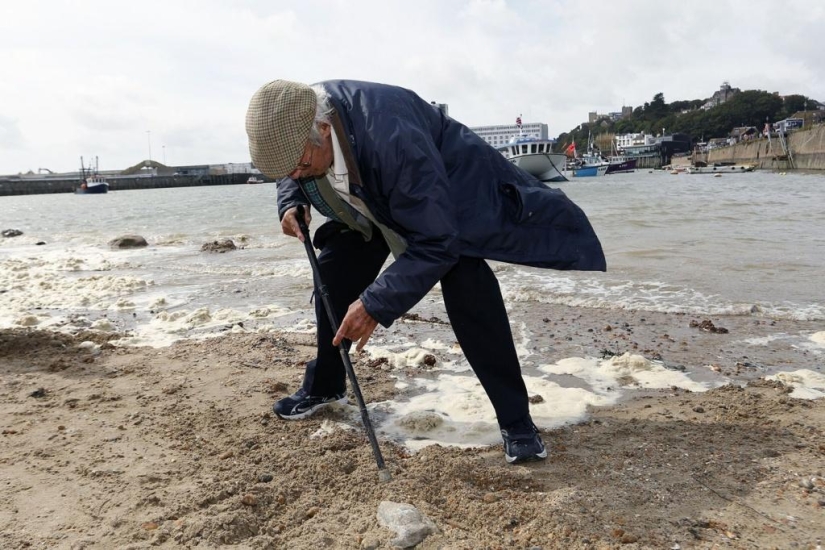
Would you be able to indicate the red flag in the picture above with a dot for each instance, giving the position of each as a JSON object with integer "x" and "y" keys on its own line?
{"x": 518, "y": 121}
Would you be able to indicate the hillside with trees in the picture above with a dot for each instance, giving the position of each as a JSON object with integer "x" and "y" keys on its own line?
{"x": 747, "y": 108}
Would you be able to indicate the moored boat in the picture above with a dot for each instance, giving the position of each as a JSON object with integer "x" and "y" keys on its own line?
{"x": 617, "y": 164}
{"x": 590, "y": 170}
{"x": 590, "y": 164}
{"x": 536, "y": 157}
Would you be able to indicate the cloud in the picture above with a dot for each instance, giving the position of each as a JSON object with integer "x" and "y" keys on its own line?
{"x": 96, "y": 76}
{"x": 10, "y": 135}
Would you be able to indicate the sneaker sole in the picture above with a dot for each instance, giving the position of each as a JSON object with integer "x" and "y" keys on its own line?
{"x": 533, "y": 458}
{"x": 312, "y": 410}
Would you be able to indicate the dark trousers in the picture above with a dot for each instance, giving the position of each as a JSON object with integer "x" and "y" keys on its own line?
{"x": 474, "y": 305}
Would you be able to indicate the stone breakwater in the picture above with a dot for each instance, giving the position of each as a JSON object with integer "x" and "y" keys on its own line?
{"x": 35, "y": 186}
{"x": 807, "y": 149}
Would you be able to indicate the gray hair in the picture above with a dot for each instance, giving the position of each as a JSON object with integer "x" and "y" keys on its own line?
{"x": 323, "y": 113}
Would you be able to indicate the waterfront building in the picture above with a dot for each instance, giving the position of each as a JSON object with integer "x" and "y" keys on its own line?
{"x": 623, "y": 141}
{"x": 501, "y": 134}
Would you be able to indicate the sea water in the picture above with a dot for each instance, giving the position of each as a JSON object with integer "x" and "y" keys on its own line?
{"x": 742, "y": 244}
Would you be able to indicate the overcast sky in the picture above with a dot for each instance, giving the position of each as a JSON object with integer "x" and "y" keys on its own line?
{"x": 114, "y": 78}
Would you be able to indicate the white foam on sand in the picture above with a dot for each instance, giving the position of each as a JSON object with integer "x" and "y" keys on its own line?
{"x": 166, "y": 327}
{"x": 818, "y": 338}
{"x": 451, "y": 408}
{"x": 55, "y": 283}
{"x": 765, "y": 340}
{"x": 806, "y": 383}
{"x": 628, "y": 370}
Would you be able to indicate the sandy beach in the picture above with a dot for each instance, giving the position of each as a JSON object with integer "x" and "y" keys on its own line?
{"x": 109, "y": 447}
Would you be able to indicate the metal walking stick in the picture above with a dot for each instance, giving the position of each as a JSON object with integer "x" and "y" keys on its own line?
{"x": 383, "y": 473}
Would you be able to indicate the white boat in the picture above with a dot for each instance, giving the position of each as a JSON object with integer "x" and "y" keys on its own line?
{"x": 536, "y": 157}
{"x": 721, "y": 169}
{"x": 253, "y": 179}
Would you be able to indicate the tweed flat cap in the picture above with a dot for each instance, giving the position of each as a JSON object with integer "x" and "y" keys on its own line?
{"x": 278, "y": 122}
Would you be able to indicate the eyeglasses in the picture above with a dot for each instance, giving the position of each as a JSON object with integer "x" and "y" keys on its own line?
{"x": 302, "y": 165}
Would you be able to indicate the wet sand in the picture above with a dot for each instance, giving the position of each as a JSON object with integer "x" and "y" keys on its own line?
{"x": 176, "y": 447}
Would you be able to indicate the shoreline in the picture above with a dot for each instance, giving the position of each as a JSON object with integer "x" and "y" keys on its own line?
{"x": 176, "y": 446}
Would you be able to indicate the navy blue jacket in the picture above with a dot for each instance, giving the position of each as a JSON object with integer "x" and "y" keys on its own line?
{"x": 448, "y": 193}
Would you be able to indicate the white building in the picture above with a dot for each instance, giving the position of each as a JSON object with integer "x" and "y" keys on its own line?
{"x": 500, "y": 134}
{"x": 632, "y": 140}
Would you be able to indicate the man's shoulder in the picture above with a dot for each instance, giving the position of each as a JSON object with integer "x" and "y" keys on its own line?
{"x": 346, "y": 85}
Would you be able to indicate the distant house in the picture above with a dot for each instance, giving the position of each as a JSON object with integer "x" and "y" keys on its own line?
{"x": 744, "y": 133}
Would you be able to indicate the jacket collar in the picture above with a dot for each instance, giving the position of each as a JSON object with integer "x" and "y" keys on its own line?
{"x": 343, "y": 141}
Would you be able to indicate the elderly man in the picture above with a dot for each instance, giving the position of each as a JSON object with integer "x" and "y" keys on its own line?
{"x": 393, "y": 174}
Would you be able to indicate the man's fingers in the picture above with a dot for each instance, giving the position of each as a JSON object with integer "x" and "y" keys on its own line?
{"x": 366, "y": 336}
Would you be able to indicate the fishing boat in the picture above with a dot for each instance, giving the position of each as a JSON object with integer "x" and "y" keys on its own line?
{"x": 253, "y": 179}
{"x": 590, "y": 170}
{"x": 618, "y": 163}
{"x": 590, "y": 164}
{"x": 91, "y": 182}
{"x": 535, "y": 156}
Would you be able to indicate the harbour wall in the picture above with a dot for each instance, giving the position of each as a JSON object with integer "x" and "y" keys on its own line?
{"x": 807, "y": 148}
{"x": 35, "y": 186}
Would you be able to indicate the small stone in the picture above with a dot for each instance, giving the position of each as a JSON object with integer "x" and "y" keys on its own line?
{"x": 312, "y": 512}
{"x": 806, "y": 483}
{"x": 627, "y": 538}
{"x": 150, "y": 526}
{"x": 227, "y": 454}
{"x": 489, "y": 498}
{"x": 265, "y": 478}
{"x": 249, "y": 500}
{"x": 533, "y": 399}
{"x": 698, "y": 409}
{"x": 61, "y": 428}
{"x": 430, "y": 360}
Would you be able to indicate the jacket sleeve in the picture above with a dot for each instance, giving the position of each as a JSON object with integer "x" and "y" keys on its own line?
{"x": 416, "y": 199}
{"x": 289, "y": 195}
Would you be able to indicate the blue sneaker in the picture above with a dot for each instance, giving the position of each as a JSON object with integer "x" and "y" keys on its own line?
{"x": 301, "y": 404}
{"x": 522, "y": 442}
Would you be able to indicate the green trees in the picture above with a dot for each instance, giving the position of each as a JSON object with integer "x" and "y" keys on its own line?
{"x": 748, "y": 108}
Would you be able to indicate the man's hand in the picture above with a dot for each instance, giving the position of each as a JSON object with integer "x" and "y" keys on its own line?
{"x": 357, "y": 325}
{"x": 289, "y": 223}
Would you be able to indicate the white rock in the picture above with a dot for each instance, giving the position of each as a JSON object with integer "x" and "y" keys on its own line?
{"x": 408, "y": 523}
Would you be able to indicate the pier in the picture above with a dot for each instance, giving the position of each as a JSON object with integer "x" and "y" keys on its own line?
{"x": 35, "y": 185}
